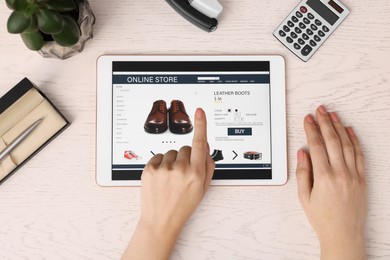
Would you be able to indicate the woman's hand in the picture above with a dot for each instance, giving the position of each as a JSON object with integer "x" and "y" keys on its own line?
{"x": 332, "y": 187}
{"x": 173, "y": 185}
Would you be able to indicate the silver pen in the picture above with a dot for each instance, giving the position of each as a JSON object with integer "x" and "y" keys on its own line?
{"x": 18, "y": 140}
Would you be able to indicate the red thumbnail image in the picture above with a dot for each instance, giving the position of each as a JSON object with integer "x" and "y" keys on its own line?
{"x": 128, "y": 154}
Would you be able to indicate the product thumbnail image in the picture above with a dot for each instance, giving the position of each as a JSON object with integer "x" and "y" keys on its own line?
{"x": 217, "y": 155}
{"x": 159, "y": 116}
{"x": 251, "y": 155}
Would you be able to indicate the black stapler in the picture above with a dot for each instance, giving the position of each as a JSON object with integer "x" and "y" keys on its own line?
{"x": 202, "y": 13}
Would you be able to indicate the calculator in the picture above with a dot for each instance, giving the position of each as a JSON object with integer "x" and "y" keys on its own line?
{"x": 308, "y": 26}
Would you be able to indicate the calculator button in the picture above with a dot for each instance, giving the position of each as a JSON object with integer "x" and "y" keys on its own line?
{"x": 305, "y": 37}
{"x": 309, "y": 32}
{"x": 312, "y": 43}
{"x": 297, "y": 30}
{"x": 297, "y": 46}
{"x": 303, "y": 9}
{"x": 281, "y": 33}
{"x": 325, "y": 29}
{"x": 298, "y": 14}
{"x": 286, "y": 28}
{"x": 317, "y": 22}
{"x": 293, "y": 35}
{"x": 321, "y": 33}
{"x": 294, "y": 19}
{"x": 302, "y": 25}
{"x": 310, "y": 15}
{"x": 313, "y": 27}
{"x": 291, "y": 24}
{"x": 306, "y": 50}
{"x": 301, "y": 42}
{"x": 316, "y": 38}
{"x": 306, "y": 21}
{"x": 289, "y": 40}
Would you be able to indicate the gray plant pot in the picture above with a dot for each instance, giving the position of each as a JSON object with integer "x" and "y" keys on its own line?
{"x": 86, "y": 22}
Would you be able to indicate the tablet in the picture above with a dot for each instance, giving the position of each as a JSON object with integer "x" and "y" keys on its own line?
{"x": 146, "y": 105}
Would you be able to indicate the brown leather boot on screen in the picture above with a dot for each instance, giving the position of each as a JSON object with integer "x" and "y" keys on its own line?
{"x": 179, "y": 121}
{"x": 157, "y": 121}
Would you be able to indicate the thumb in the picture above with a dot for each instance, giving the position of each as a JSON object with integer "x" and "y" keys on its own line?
{"x": 304, "y": 177}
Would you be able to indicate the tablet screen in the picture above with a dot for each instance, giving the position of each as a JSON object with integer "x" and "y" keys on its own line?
{"x": 153, "y": 112}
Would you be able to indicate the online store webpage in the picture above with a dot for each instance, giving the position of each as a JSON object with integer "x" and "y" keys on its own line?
{"x": 153, "y": 112}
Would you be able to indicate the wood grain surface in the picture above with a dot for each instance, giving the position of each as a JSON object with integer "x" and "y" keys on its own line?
{"x": 53, "y": 209}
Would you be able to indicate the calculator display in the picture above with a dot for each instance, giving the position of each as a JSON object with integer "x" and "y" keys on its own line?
{"x": 323, "y": 11}
{"x": 336, "y": 6}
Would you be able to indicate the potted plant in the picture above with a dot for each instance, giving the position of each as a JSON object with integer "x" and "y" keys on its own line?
{"x": 56, "y": 28}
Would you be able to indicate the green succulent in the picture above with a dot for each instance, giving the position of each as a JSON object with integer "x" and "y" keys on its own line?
{"x": 33, "y": 19}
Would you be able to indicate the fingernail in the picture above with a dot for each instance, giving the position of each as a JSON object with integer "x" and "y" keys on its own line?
{"x": 300, "y": 156}
{"x": 334, "y": 117}
{"x": 310, "y": 119}
{"x": 350, "y": 131}
{"x": 199, "y": 113}
{"x": 322, "y": 110}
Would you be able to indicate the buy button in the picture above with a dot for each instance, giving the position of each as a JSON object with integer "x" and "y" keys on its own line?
{"x": 240, "y": 131}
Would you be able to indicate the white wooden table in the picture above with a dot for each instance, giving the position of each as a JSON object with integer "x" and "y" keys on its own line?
{"x": 52, "y": 207}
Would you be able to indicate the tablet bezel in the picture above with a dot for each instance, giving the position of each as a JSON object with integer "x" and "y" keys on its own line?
{"x": 278, "y": 117}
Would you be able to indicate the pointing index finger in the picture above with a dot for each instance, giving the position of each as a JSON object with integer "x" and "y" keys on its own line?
{"x": 199, "y": 142}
